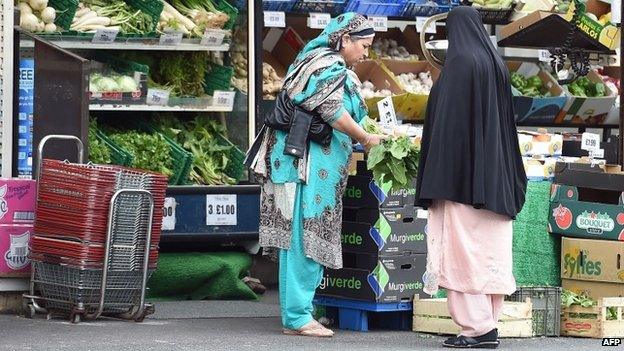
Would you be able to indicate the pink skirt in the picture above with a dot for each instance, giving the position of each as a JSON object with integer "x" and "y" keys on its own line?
{"x": 469, "y": 250}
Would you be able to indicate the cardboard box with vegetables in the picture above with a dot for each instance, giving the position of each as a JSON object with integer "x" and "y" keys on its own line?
{"x": 416, "y": 80}
{"x": 590, "y": 101}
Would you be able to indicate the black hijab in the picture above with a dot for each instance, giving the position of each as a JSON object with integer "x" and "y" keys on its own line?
{"x": 470, "y": 152}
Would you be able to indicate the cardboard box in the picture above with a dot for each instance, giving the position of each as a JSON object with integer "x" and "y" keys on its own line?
{"x": 592, "y": 260}
{"x": 382, "y": 79}
{"x": 587, "y": 110}
{"x": 410, "y": 106}
{"x": 591, "y": 322}
{"x": 408, "y": 38}
{"x": 524, "y": 22}
{"x": 582, "y": 173}
{"x": 540, "y": 143}
{"x": 607, "y": 35}
{"x": 594, "y": 290}
{"x": 17, "y": 201}
{"x": 537, "y": 110}
{"x": 396, "y": 231}
{"x": 281, "y": 46}
{"x": 393, "y": 279}
{"x": 14, "y": 249}
{"x": 355, "y": 158}
{"x": 600, "y": 216}
{"x": 364, "y": 192}
{"x": 538, "y": 169}
{"x": 572, "y": 147}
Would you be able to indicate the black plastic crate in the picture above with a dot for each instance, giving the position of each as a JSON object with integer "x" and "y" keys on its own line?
{"x": 546, "y": 308}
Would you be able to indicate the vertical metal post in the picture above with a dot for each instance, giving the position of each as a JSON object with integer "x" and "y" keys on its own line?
{"x": 621, "y": 133}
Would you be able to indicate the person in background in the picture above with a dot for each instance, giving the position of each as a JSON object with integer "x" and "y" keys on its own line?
{"x": 472, "y": 180}
{"x": 301, "y": 201}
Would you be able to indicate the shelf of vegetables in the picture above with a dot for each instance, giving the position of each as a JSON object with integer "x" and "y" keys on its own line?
{"x": 151, "y": 44}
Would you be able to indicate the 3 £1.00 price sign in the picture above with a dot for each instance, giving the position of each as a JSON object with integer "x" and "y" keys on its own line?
{"x": 221, "y": 210}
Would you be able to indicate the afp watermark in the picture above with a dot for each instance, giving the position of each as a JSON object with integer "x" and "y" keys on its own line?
{"x": 612, "y": 342}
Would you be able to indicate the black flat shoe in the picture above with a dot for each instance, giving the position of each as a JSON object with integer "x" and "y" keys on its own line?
{"x": 486, "y": 341}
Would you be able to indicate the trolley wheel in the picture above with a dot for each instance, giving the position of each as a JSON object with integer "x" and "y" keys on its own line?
{"x": 49, "y": 316}
{"x": 74, "y": 318}
{"x": 149, "y": 309}
{"x": 29, "y": 311}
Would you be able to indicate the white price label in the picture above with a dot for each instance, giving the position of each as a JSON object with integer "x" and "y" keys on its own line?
{"x": 213, "y": 37}
{"x": 543, "y": 55}
{"x": 171, "y": 39}
{"x": 224, "y": 99}
{"x": 275, "y": 19}
{"x": 169, "y": 210}
{"x": 157, "y": 97}
{"x": 422, "y": 214}
{"x": 590, "y": 142}
{"x": 387, "y": 116}
{"x": 221, "y": 210}
{"x": 319, "y": 20}
{"x": 599, "y": 153}
{"x": 420, "y": 24}
{"x": 105, "y": 35}
{"x": 380, "y": 24}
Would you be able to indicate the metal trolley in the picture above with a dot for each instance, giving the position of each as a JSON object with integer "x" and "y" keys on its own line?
{"x": 96, "y": 239}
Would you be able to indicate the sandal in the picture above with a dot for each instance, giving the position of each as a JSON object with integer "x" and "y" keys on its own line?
{"x": 486, "y": 341}
{"x": 314, "y": 329}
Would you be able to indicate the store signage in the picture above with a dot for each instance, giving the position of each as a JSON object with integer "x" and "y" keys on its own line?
{"x": 224, "y": 99}
{"x": 590, "y": 142}
{"x": 169, "y": 214}
{"x": 420, "y": 24}
{"x": 171, "y": 38}
{"x": 221, "y": 210}
{"x": 157, "y": 97}
{"x": 275, "y": 19}
{"x": 387, "y": 115}
{"x": 319, "y": 20}
{"x": 213, "y": 37}
{"x": 380, "y": 24}
{"x": 105, "y": 35}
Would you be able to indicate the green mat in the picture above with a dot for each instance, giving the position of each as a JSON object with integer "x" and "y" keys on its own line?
{"x": 536, "y": 252}
{"x": 201, "y": 276}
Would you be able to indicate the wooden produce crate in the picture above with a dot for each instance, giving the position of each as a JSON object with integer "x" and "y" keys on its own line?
{"x": 432, "y": 316}
{"x": 591, "y": 322}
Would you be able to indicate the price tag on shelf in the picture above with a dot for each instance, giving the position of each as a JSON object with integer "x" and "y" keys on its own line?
{"x": 169, "y": 209}
{"x": 380, "y": 24}
{"x": 597, "y": 153}
{"x": 157, "y": 97}
{"x": 319, "y": 20}
{"x": 387, "y": 116}
{"x": 543, "y": 55}
{"x": 420, "y": 24}
{"x": 275, "y": 19}
{"x": 590, "y": 142}
{"x": 213, "y": 37}
{"x": 221, "y": 210}
{"x": 105, "y": 35}
{"x": 171, "y": 38}
{"x": 223, "y": 99}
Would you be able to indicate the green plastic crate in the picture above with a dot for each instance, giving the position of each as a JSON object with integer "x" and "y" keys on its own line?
{"x": 151, "y": 7}
{"x": 119, "y": 156}
{"x": 219, "y": 78}
{"x": 65, "y": 12}
{"x": 235, "y": 168}
{"x": 227, "y": 8}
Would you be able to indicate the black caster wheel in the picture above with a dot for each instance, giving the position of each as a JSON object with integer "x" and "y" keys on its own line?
{"x": 75, "y": 318}
{"x": 29, "y": 309}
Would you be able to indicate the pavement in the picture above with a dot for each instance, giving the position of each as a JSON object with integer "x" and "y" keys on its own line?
{"x": 225, "y": 325}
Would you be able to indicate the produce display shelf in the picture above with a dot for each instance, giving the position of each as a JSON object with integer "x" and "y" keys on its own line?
{"x": 14, "y": 284}
{"x": 143, "y": 44}
{"x": 122, "y": 107}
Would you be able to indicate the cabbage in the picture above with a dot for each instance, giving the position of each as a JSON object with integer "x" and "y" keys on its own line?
{"x": 106, "y": 85}
{"x": 127, "y": 84}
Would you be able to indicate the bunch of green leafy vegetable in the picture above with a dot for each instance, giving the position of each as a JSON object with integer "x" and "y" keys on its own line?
{"x": 583, "y": 87}
{"x": 531, "y": 86}
{"x": 569, "y": 298}
{"x": 200, "y": 136}
{"x": 149, "y": 151}
{"x": 371, "y": 126}
{"x": 394, "y": 161}
{"x": 99, "y": 153}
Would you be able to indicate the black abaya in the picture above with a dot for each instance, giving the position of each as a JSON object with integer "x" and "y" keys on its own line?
{"x": 470, "y": 152}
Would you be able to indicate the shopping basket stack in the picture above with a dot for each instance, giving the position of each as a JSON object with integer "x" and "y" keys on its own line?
{"x": 91, "y": 239}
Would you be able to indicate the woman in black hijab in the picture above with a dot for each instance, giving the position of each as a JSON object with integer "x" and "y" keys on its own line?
{"x": 471, "y": 178}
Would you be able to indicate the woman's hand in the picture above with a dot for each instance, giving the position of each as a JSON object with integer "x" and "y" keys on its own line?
{"x": 371, "y": 140}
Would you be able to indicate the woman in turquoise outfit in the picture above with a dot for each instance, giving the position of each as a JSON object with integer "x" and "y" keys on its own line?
{"x": 301, "y": 209}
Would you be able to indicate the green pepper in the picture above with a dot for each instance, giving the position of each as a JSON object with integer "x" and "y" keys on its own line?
{"x": 535, "y": 82}
{"x": 583, "y": 82}
{"x": 518, "y": 81}
{"x": 598, "y": 90}
{"x": 531, "y": 92}
{"x": 576, "y": 90}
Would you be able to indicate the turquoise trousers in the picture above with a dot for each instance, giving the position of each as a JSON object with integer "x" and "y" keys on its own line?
{"x": 299, "y": 276}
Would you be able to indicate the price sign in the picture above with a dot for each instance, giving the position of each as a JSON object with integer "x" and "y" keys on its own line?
{"x": 171, "y": 39}
{"x": 157, "y": 97}
{"x": 420, "y": 25}
{"x": 105, "y": 35}
{"x": 422, "y": 214}
{"x": 169, "y": 218}
{"x": 380, "y": 24}
{"x": 387, "y": 116}
{"x": 543, "y": 55}
{"x": 599, "y": 153}
{"x": 221, "y": 210}
{"x": 223, "y": 99}
{"x": 275, "y": 19}
{"x": 590, "y": 142}
{"x": 213, "y": 37}
{"x": 319, "y": 20}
